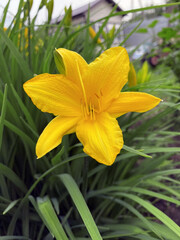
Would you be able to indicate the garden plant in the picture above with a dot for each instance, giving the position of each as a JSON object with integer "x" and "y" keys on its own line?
{"x": 88, "y": 137}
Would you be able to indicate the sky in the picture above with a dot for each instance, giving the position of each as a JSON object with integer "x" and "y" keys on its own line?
{"x": 60, "y": 4}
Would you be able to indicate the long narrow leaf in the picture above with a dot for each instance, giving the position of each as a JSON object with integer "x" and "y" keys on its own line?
{"x": 6, "y": 77}
{"x": 19, "y": 132}
{"x": 14, "y": 51}
{"x": 129, "y": 149}
{"x": 50, "y": 219}
{"x": 3, "y": 113}
{"x": 11, "y": 175}
{"x": 24, "y": 108}
{"x": 155, "y": 211}
{"x": 81, "y": 205}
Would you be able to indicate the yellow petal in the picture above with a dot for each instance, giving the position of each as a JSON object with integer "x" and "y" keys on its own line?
{"x": 52, "y": 135}
{"x": 108, "y": 73}
{"x": 55, "y": 94}
{"x": 102, "y": 138}
{"x": 74, "y": 64}
{"x": 132, "y": 102}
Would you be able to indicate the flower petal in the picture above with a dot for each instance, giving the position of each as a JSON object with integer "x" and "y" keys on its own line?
{"x": 72, "y": 61}
{"x": 53, "y": 93}
{"x": 108, "y": 73}
{"x": 132, "y": 102}
{"x": 102, "y": 138}
{"x": 52, "y": 135}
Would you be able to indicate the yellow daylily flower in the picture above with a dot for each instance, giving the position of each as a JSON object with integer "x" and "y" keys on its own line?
{"x": 87, "y": 99}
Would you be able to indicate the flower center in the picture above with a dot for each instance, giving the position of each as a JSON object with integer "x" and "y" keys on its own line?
{"x": 88, "y": 111}
{"x": 91, "y": 107}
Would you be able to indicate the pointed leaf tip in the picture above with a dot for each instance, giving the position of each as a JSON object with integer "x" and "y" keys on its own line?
{"x": 59, "y": 62}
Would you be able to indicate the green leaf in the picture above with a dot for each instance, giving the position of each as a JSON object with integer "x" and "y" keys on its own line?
{"x": 52, "y": 44}
{"x": 167, "y": 15}
{"x": 14, "y": 238}
{"x": 162, "y": 150}
{"x": 16, "y": 215}
{"x": 142, "y": 30}
{"x": 4, "y": 71}
{"x": 129, "y": 149}
{"x": 165, "y": 232}
{"x": 120, "y": 230}
{"x": 50, "y": 218}
{"x": 43, "y": 3}
{"x": 5, "y": 14}
{"x": 166, "y": 50}
{"x": 49, "y": 6}
{"x": 81, "y": 205}
{"x": 3, "y": 113}
{"x": 155, "y": 211}
{"x": 19, "y": 132}
{"x": 68, "y": 18}
{"x": 153, "y": 24}
{"x": 167, "y": 33}
{"x": 59, "y": 62}
{"x": 24, "y": 108}
{"x": 152, "y": 194}
{"x": 135, "y": 212}
{"x": 11, "y": 175}
{"x": 10, "y": 206}
{"x": 17, "y": 55}
{"x": 57, "y": 158}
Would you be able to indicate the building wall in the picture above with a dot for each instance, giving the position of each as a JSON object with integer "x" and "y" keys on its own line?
{"x": 145, "y": 38}
{"x": 103, "y": 9}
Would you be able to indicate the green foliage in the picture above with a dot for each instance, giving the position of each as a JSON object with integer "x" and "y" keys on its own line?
{"x": 48, "y": 215}
{"x": 171, "y": 42}
{"x": 142, "y": 30}
{"x": 153, "y": 24}
{"x": 167, "y": 33}
{"x": 143, "y": 74}
{"x": 66, "y": 194}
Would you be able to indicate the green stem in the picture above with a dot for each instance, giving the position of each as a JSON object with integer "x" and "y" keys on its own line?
{"x": 85, "y": 176}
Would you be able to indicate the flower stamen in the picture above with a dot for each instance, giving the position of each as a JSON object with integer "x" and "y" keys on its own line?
{"x": 98, "y": 107}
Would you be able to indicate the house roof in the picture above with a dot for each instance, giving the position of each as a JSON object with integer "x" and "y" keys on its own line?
{"x": 84, "y": 9}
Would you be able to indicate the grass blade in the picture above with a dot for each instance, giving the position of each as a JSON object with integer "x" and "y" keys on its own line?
{"x": 5, "y": 13}
{"x": 14, "y": 51}
{"x": 3, "y": 113}
{"x": 3, "y": 65}
{"x": 155, "y": 211}
{"x": 11, "y": 175}
{"x": 129, "y": 149}
{"x": 81, "y": 205}
{"x": 10, "y": 206}
{"x": 24, "y": 109}
{"x": 50, "y": 218}
{"x": 19, "y": 132}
